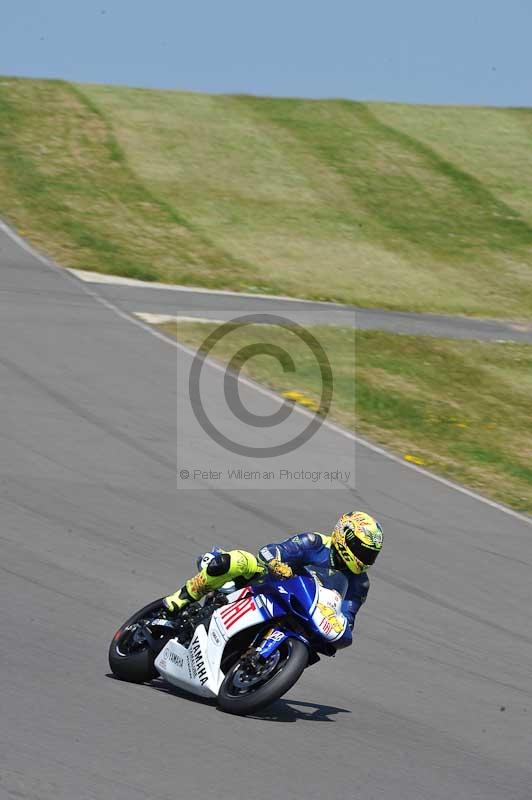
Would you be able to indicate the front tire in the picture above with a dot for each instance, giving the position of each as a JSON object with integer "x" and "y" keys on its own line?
{"x": 235, "y": 697}
{"x": 130, "y": 660}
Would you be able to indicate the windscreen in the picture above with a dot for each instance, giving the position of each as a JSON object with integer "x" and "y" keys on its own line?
{"x": 330, "y": 578}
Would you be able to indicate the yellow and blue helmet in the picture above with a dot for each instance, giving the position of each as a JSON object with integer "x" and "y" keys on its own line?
{"x": 357, "y": 540}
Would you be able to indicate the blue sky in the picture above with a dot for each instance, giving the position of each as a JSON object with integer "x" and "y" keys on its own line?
{"x": 473, "y": 51}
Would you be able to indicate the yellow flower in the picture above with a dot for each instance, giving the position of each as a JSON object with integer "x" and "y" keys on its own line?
{"x": 309, "y": 403}
{"x": 293, "y": 395}
{"x": 303, "y": 400}
{"x": 413, "y": 459}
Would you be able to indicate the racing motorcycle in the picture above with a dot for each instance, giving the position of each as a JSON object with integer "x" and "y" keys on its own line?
{"x": 244, "y": 647}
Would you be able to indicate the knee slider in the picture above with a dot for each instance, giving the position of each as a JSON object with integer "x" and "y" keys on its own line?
{"x": 219, "y": 565}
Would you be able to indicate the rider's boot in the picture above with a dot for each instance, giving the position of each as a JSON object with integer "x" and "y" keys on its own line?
{"x": 175, "y": 603}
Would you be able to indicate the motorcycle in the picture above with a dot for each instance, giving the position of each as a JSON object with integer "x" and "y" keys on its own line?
{"x": 246, "y": 647}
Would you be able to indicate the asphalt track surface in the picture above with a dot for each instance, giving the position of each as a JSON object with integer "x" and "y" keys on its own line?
{"x": 138, "y": 296}
{"x": 92, "y": 528}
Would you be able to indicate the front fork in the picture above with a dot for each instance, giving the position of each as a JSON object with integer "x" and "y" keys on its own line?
{"x": 268, "y": 641}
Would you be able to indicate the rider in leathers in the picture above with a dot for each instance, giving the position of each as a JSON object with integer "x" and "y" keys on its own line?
{"x": 352, "y": 547}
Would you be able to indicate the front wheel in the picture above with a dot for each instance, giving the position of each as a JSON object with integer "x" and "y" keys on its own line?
{"x": 250, "y": 685}
{"x": 131, "y": 655}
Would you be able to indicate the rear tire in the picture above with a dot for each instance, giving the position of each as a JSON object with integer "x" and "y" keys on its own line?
{"x": 288, "y": 671}
{"x": 135, "y": 666}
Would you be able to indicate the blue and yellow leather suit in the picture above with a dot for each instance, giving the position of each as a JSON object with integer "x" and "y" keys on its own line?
{"x": 304, "y": 549}
{"x": 308, "y": 549}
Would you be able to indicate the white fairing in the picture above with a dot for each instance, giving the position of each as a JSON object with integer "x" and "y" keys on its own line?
{"x": 197, "y": 667}
{"x": 187, "y": 666}
{"x": 327, "y": 614}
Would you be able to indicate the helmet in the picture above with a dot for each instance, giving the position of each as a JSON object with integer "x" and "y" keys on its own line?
{"x": 356, "y": 540}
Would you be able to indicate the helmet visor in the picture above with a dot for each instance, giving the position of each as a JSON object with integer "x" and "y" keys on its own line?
{"x": 365, "y": 554}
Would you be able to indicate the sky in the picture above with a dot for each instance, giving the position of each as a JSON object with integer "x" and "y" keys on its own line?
{"x": 452, "y": 52}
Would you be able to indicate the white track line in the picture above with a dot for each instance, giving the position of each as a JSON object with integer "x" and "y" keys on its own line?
{"x": 258, "y": 387}
{"x": 160, "y": 319}
{"x": 118, "y": 280}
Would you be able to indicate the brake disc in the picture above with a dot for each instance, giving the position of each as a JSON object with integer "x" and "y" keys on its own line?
{"x": 253, "y": 672}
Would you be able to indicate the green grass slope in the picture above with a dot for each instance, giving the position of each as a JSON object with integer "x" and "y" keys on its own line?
{"x": 461, "y": 409}
{"x": 404, "y": 207}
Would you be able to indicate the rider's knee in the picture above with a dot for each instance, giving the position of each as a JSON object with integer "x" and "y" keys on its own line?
{"x": 228, "y": 566}
{"x": 219, "y": 565}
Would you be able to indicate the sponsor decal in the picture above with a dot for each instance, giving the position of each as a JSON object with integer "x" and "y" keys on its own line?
{"x": 265, "y": 604}
{"x": 346, "y": 554}
{"x": 271, "y": 637}
{"x": 376, "y": 537}
{"x": 232, "y": 613}
{"x": 219, "y": 629}
{"x": 325, "y": 626}
{"x": 198, "y": 665}
{"x": 215, "y": 637}
{"x": 276, "y": 636}
{"x": 175, "y": 659}
{"x": 330, "y": 622}
{"x": 266, "y": 554}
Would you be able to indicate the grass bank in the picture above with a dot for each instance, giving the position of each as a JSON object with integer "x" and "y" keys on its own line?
{"x": 405, "y": 207}
{"x": 462, "y": 409}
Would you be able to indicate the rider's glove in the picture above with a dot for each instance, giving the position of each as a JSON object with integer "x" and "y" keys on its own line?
{"x": 279, "y": 569}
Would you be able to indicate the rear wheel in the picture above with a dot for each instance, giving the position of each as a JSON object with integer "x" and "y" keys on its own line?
{"x": 131, "y": 654}
{"x": 253, "y": 684}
